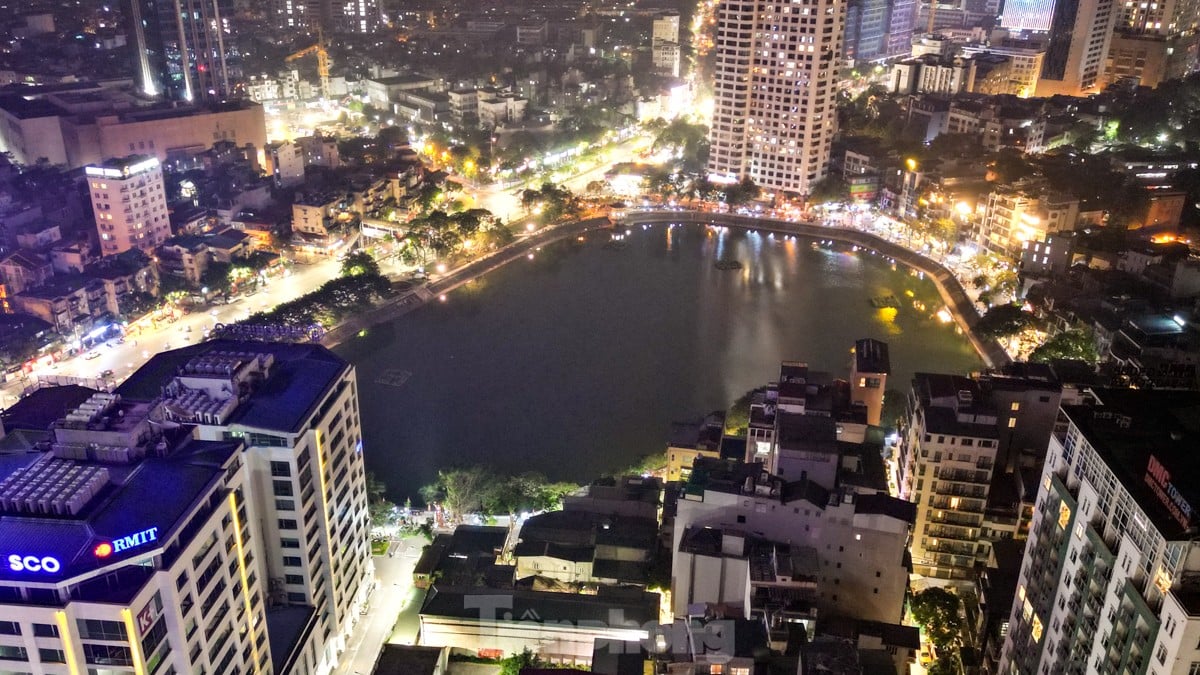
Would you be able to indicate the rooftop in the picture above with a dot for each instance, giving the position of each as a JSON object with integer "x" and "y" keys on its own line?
{"x": 1149, "y": 439}
{"x": 632, "y": 608}
{"x": 299, "y": 378}
{"x": 107, "y": 502}
{"x": 871, "y": 356}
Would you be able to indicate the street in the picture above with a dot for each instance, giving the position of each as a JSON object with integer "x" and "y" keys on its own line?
{"x": 123, "y": 359}
{"x": 392, "y": 614}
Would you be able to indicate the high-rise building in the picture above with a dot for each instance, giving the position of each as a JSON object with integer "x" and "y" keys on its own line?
{"x": 1155, "y": 42}
{"x": 1108, "y": 581}
{"x": 1027, "y": 15}
{"x": 1079, "y": 36}
{"x": 130, "y": 546}
{"x": 210, "y": 516}
{"x": 878, "y": 29}
{"x": 129, "y": 204}
{"x": 183, "y": 49}
{"x": 964, "y": 436}
{"x": 295, "y": 408}
{"x": 333, "y": 16}
{"x": 774, "y": 93}
{"x": 664, "y": 45}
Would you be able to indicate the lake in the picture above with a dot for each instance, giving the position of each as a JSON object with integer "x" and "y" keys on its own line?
{"x": 574, "y": 363}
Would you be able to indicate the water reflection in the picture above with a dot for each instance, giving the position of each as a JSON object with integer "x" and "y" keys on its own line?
{"x": 576, "y": 363}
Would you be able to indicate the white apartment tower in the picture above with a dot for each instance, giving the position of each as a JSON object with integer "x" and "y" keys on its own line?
{"x": 212, "y": 520}
{"x": 128, "y": 547}
{"x": 129, "y": 204}
{"x": 774, "y": 96}
{"x": 1110, "y": 579}
{"x": 664, "y": 45}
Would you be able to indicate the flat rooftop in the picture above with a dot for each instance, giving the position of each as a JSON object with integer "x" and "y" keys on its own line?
{"x": 634, "y": 608}
{"x": 153, "y": 494}
{"x": 298, "y": 380}
{"x": 1149, "y": 440}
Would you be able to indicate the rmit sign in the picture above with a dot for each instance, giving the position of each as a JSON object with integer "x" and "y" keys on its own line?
{"x": 121, "y": 544}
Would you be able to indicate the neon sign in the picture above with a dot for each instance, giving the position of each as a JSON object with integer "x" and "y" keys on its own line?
{"x": 33, "y": 563}
{"x": 120, "y": 544}
{"x": 1159, "y": 479}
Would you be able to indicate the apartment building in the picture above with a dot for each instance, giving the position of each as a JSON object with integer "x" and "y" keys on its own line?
{"x": 775, "y": 89}
{"x": 664, "y": 45}
{"x": 294, "y": 408}
{"x": 960, "y": 459}
{"x": 1108, "y": 582}
{"x": 129, "y": 203}
{"x": 94, "y": 581}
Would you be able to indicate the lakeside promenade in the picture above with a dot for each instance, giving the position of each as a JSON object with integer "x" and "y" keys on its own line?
{"x": 958, "y": 303}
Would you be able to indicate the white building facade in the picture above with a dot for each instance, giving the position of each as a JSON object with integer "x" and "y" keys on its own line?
{"x": 129, "y": 204}
{"x": 775, "y": 112}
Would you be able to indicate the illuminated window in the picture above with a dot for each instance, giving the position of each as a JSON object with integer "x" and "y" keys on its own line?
{"x": 1012, "y": 422}
{"x": 1015, "y": 406}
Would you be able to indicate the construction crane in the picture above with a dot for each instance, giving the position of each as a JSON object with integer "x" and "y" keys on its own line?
{"x": 322, "y": 60}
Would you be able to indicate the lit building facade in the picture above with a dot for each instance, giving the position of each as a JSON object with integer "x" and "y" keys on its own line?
{"x": 184, "y": 48}
{"x": 1079, "y": 37}
{"x": 93, "y": 581}
{"x": 1108, "y": 579}
{"x": 775, "y": 110}
{"x": 664, "y": 45}
{"x": 129, "y": 204}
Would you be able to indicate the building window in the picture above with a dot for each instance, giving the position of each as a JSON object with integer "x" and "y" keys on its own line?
{"x": 1161, "y": 654}
{"x": 10, "y": 628}
{"x": 1012, "y": 422}
{"x": 107, "y": 655}
{"x": 8, "y": 653}
{"x": 52, "y": 656}
{"x": 281, "y": 469}
{"x": 45, "y": 630}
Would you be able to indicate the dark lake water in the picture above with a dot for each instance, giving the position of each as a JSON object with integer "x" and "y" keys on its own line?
{"x": 576, "y": 362}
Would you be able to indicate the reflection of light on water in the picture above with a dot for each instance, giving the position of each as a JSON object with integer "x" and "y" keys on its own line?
{"x": 944, "y": 316}
{"x": 721, "y": 234}
{"x": 887, "y": 316}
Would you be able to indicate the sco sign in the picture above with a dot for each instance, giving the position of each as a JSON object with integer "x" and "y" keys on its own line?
{"x": 32, "y": 563}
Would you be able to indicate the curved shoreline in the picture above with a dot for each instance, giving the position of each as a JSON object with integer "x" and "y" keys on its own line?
{"x": 960, "y": 306}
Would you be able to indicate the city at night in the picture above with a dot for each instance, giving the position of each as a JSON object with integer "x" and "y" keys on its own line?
{"x": 627, "y": 337}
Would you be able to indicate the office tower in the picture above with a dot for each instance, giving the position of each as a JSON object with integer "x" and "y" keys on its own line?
{"x": 1080, "y": 32}
{"x": 182, "y": 48}
{"x": 129, "y": 547}
{"x": 1154, "y": 42}
{"x": 1027, "y": 15}
{"x": 333, "y": 16}
{"x": 1108, "y": 582}
{"x": 775, "y": 110}
{"x": 210, "y": 516}
{"x": 878, "y": 29}
{"x": 295, "y": 407}
{"x": 664, "y": 45}
{"x": 964, "y": 437}
{"x": 129, "y": 204}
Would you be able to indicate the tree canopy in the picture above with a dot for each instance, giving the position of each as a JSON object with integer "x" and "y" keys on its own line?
{"x": 1002, "y": 321}
{"x": 938, "y": 611}
{"x": 1072, "y": 344}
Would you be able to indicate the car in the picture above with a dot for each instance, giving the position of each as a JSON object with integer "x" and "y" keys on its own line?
{"x": 105, "y": 374}
{"x": 92, "y": 355}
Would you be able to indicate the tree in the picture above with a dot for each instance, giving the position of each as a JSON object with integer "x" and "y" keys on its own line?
{"x": 1072, "y": 344}
{"x": 737, "y": 418}
{"x": 744, "y": 191}
{"x": 379, "y": 507}
{"x": 832, "y": 188}
{"x": 1002, "y": 321}
{"x": 938, "y": 611}
{"x": 359, "y": 262}
{"x": 514, "y": 664}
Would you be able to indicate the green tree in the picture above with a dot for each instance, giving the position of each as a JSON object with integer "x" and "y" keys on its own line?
{"x": 513, "y": 664}
{"x": 832, "y": 188}
{"x": 938, "y": 610}
{"x": 359, "y": 262}
{"x": 1002, "y": 321}
{"x": 1072, "y": 344}
{"x": 737, "y": 418}
{"x": 378, "y": 506}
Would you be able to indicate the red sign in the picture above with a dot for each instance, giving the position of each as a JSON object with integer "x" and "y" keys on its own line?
{"x": 1159, "y": 480}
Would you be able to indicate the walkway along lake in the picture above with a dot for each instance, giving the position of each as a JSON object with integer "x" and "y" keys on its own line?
{"x": 575, "y": 362}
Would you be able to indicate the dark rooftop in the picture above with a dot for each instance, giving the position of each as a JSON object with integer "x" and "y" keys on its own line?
{"x": 298, "y": 380}
{"x": 1128, "y": 429}
{"x": 871, "y": 356}
{"x": 40, "y": 409}
{"x": 408, "y": 660}
{"x": 634, "y": 608}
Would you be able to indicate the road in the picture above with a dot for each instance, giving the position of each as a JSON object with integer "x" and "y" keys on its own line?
{"x": 123, "y": 359}
{"x": 393, "y": 612}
